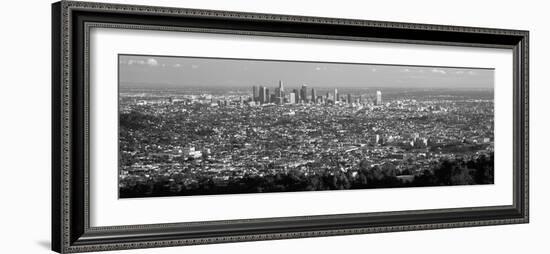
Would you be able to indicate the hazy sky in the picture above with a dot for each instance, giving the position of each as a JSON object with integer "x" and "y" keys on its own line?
{"x": 185, "y": 71}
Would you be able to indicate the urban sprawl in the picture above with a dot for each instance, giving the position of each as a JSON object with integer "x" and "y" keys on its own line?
{"x": 268, "y": 139}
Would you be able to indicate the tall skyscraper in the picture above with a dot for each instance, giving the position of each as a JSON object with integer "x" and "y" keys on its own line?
{"x": 279, "y": 94}
{"x": 292, "y": 98}
{"x": 262, "y": 96}
{"x": 349, "y": 98}
{"x": 297, "y": 95}
{"x": 255, "y": 94}
{"x": 267, "y": 96}
{"x": 313, "y": 95}
{"x": 303, "y": 93}
{"x": 336, "y": 96}
{"x": 378, "y": 98}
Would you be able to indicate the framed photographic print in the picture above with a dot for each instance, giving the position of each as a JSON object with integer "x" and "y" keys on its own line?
{"x": 182, "y": 126}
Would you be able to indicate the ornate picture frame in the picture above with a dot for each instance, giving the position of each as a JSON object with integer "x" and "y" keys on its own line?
{"x": 71, "y": 24}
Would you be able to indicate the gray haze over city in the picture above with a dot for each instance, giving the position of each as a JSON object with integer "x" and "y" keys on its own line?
{"x": 143, "y": 71}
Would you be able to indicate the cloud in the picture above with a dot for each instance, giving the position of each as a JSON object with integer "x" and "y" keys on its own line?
{"x": 317, "y": 68}
{"x": 194, "y": 66}
{"x": 406, "y": 70}
{"x": 374, "y": 70}
{"x": 440, "y": 71}
{"x": 152, "y": 62}
{"x": 148, "y": 61}
{"x": 134, "y": 61}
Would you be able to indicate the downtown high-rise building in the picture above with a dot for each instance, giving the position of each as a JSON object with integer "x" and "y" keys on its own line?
{"x": 296, "y": 95}
{"x": 292, "y": 98}
{"x": 303, "y": 93}
{"x": 336, "y": 96}
{"x": 313, "y": 95}
{"x": 378, "y": 100}
{"x": 280, "y": 93}
{"x": 255, "y": 93}
{"x": 263, "y": 95}
{"x": 276, "y": 95}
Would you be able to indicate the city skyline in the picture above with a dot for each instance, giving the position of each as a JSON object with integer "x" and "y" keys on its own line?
{"x": 180, "y": 72}
{"x": 262, "y": 95}
{"x": 250, "y": 126}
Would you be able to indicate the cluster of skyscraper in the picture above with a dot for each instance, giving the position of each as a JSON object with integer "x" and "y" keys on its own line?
{"x": 262, "y": 95}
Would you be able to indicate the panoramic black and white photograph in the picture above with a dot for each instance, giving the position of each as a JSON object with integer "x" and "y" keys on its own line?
{"x": 210, "y": 126}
